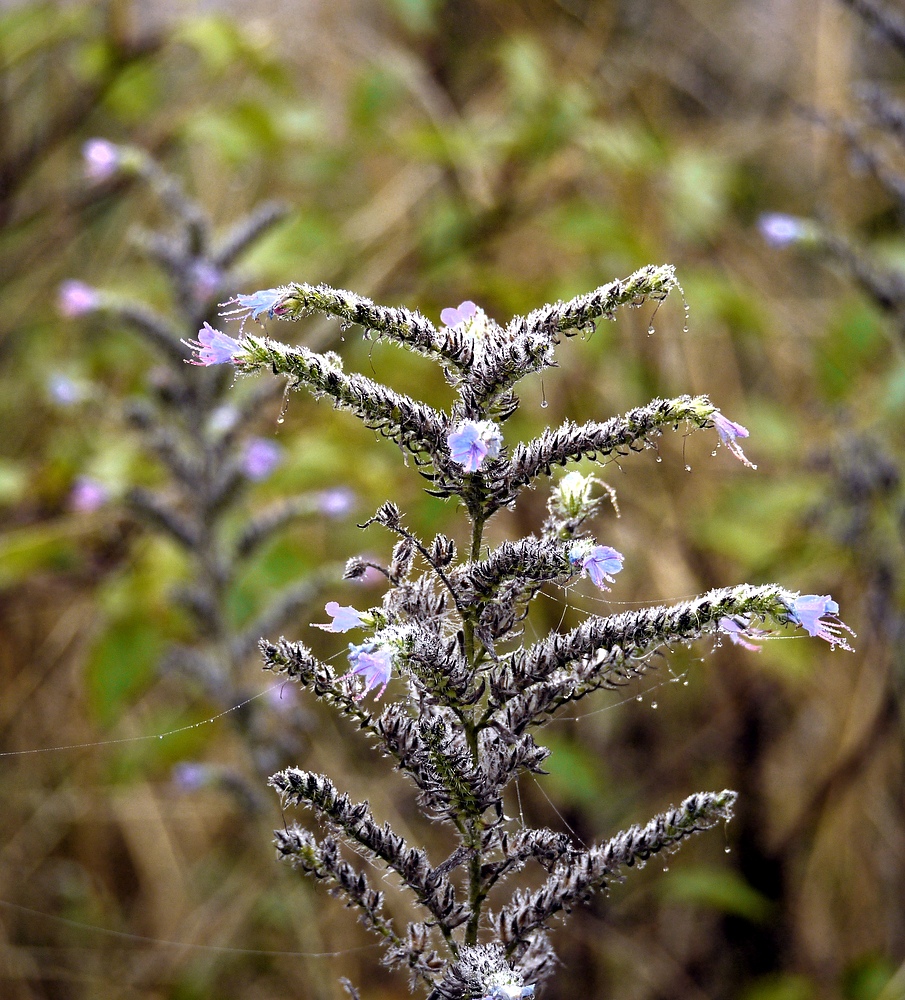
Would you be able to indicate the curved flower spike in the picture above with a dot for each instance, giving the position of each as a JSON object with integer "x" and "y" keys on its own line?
{"x": 472, "y": 441}
{"x": 464, "y": 311}
{"x": 728, "y": 431}
{"x": 344, "y": 618}
{"x": 212, "y": 347}
{"x": 809, "y": 611}
{"x": 373, "y": 663}
{"x": 599, "y": 562}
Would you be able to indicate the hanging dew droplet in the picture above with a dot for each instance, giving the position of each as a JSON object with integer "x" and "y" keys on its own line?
{"x": 653, "y": 704}
{"x": 713, "y": 453}
{"x": 659, "y": 458}
{"x": 685, "y": 684}
{"x": 639, "y": 698}
{"x": 727, "y": 850}
{"x": 688, "y": 468}
{"x": 651, "y": 331}
{"x": 544, "y": 404}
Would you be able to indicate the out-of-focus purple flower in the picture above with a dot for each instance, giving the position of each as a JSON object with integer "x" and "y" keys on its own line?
{"x": 739, "y": 631}
{"x": 204, "y": 279}
{"x": 344, "y": 618}
{"x": 212, "y": 347}
{"x": 816, "y": 614}
{"x": 75, "y": 298}
{"x": 87, "y": 495}
{"x": 336, "y": 502}
{"x": 373, "y": 663}
{"x": 190, "y": 777}
{"x": 102, "y": 159}
{"x": 223, "y": 419}
{"x": 472, "y": 441}
{"x": 779, "y": 229}
{"x": 255, "y": 305}
{"x": 600, "y": 562}
{"x": 464, "y": 311}
{"x": 729, "y": 431}
{"x": 65, "y": 391}
{"x": 260, "y": 457}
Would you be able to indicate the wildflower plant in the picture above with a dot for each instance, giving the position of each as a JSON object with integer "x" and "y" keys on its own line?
{"x": 467, "y": 698}
{"x": 209, "y": 450}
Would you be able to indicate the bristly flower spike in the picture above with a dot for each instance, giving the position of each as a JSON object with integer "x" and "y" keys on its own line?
{"x": 810, "y": 612}
{"x": 212, "y": 347}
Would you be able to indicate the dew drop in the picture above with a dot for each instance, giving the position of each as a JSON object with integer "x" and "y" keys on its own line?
{"x": 639, "y": 698}
{"x": 685, "y": 684}
{"x": 653, "y": 704}
{"x": 281, "y": 420}
{"x": 688, "y": 468}
{"x": 659, "y": 458}
{"x": 666, "y": 868}
{"x": 544, "y": 404}
{"x": 713, "y": 453}
{"x": 727, "y": 850}
{"x": 651, "y": 331}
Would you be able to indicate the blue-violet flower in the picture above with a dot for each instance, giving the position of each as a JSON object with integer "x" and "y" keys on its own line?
{"x": 810, "y": 611}
{"x": 373, "y": 663}
{"x": 344, "y": 618}
{"x": 599, "y": 562}
{"x": 472, "y": 441}
{"x": 102, "y": 159}
{"x": 213, "y": 347}
{"x": 255, "y": 305}
{"x": 260, "y": 457}
{"x": 464, "y": 311}
{"x": 739, "y": 631}
{"x": 728, "y": 431}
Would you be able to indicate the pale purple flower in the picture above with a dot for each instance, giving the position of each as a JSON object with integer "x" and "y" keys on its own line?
{"x": 464, "y": 311}
{"x": 65, "y": 391}
{"x": 212, "y": 347}
{"x": 102, "y": 159}
{"x": 344, "y": 618}
{"x": 729, "y": 431}
{"x": 190, "y": 777}
{"x": 600, "y": 562}
{"x": 87, "y": 495}
{"x": 204, "y": 279}
{"x": 223, "y": 419}
{"x": 473, "y": 441}
{"x": 373, "y": 663}
{"x": 260, "y": 457}
{"x": 509, "y": 991}
{"x": 739, "y": 631}
{"x": 811, "y": 611}
{"x": 336, "y": 502}
{"x": 255, "y": 305}
{"x": 779, "y": 229}
{"x": 75, "y": 298}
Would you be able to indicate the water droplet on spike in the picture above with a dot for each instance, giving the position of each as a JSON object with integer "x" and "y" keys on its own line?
{"x": 727, "y": 850}
{"x": 659, "y": 458}
{"x": 651, "y": 331}
{"x": 713, "y": 453}
{"x": 653, "y": 704}
{"x": 544, "y": 404}
{"x": 639, "y": 698}
{"x": 688, "y": 468}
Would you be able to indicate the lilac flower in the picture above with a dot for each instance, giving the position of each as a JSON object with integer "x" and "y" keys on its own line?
{"x": 344, "y": 618}
{"x": 598, "y": 561}
{"x": 75, "y": 298}
{"x": 213, "y": 347}
{"x": 509, "y": 992}
{"x": 87, "y": 495}
{"x": 739, "y": 631}
{"x": 336, "y": 502}
{"x": 373, "y": 663}
{"x": 256, "y": 304}
{"x": 809, "y": 612}
{"x": 779, "y": 229}
{"x": 102, "y": 159}
{"x": 473, "y": 441}
{"x": 728, "y": 431}
{"x": 65, "y": 391}
{"x": 190, "y": 777}
{"x": 205, "y": 280}
{"x": 223, "y": 419}
{"x": 464, "y": 311}
{"x": 260, "y": 457}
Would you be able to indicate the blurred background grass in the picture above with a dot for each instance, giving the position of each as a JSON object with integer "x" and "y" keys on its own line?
{"x": 513, "y": 153}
